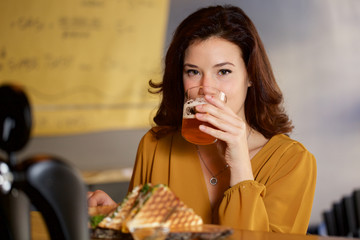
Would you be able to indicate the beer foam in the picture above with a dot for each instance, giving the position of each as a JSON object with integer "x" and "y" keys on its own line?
{"x": 189, "y": 107}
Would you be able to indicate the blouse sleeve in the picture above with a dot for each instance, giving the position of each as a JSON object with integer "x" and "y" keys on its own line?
{"x": 140, "y": 172}
{"x": 136, "y": 177}
{"x": 282, "y": 203}
{"x": 149, "y": 161}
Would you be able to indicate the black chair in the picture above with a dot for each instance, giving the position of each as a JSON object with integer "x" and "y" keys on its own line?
{"x": 330, "y": 222}
{"x": 340, "y": 218}
{"x": 348, "y": 203}
{"x": 343, "y": 219}
{"x": 356, "y": 199}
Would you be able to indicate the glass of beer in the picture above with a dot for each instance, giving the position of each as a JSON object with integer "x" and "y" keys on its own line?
{"x": 190, "y": 125}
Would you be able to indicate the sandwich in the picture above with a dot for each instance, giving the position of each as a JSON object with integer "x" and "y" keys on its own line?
{"x": 149, "y": 206}
{"x": 157, "y": 206}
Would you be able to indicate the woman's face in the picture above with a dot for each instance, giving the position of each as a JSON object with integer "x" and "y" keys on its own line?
{"x": 217, "y": 62}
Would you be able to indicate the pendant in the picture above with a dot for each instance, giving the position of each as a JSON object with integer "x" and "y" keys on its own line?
{"x": 213, "y": 181}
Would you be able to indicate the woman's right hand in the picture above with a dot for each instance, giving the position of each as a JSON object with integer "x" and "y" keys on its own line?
{"x": 99, "y": 198}
{"x": 231, "y": 130}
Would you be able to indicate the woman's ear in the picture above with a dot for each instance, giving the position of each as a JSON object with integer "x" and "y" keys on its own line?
{"x": 249, "y": 82}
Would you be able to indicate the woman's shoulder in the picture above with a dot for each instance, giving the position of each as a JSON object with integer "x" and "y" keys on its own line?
{"x": 287, "y": 149}
{"x": 282, "y": 148}
{"x": 282, "y": 154}
{"x": 285, "y": 142}
{"x": 158, "y": 134}
{"x": 151, "y": 143}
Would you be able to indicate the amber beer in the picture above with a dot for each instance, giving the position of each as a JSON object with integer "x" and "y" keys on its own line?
{"x": 190, "y": 125}
{"x": 190, "y": 131}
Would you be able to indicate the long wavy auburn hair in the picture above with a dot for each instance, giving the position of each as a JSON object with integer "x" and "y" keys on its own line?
{"x": 263, "y": 105}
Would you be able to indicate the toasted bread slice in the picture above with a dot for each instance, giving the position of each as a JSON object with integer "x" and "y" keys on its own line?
{"x": 154, "y": 210}
{"x": 163, "y": 208}
{"x": 184, "y": 216}
{"x": 114, "y": 219}
{"x": 150, "y": 206}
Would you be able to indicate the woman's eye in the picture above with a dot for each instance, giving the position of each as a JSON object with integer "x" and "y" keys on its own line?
{"x": 224, "y": 71}
{"x": 192, "y": 72}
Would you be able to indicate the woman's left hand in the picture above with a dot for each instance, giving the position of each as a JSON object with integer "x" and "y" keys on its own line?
{"x": 99, "y": 198}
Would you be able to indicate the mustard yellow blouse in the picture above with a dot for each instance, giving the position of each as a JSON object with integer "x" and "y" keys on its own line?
{"x": 279, "y": 199}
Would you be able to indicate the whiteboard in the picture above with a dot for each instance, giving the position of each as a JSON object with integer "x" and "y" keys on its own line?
{"x": 85, "y": 64}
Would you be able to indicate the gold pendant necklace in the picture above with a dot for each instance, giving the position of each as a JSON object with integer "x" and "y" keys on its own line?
{"x": 213, "y": 179}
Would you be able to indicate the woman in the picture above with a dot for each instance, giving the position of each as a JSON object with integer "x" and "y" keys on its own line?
{"x": 265, "y": 180}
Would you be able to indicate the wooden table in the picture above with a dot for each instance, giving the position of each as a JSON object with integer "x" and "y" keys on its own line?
{"x": 39, "y": 232}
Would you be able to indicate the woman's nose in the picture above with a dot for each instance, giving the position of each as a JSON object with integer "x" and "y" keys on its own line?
{"x": 208, "y": 81}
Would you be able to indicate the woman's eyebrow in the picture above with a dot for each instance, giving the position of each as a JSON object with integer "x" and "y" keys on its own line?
{"x": 216, "y": 65}
{"x": 223, "y": 64}
{"x": 190, "y": 65}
